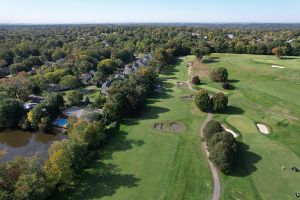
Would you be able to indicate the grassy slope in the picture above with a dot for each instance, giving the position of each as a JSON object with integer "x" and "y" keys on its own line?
{"x": 271, "y": 96}
{"x": 141, "y": 163}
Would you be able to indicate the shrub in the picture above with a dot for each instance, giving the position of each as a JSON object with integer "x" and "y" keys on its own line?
{"x": 74, "y": 98}
{"x": 226, "y": 86}
{"x": 211, "y": 128}
{"x": 219, "y": 102}
{"x": 196, "y": 80}
{"x": 219, "y": 75}
{"x": 69, "y": 81}
{"x": 202, "y": 100}
{"x": 99, "y": 101}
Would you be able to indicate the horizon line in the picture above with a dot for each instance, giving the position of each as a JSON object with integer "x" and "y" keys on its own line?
{"x": 99, "y": 23}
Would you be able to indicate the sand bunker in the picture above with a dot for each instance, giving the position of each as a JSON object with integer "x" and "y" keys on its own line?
{"x": 168, "y": 126}
{"x": 178, "y": 128}
{"x": 188, "y": 98}
{"x": 235, "y": 135}
{"x": 263, "y": 128}
{"x": 279, "y": 67}
{"x": 181, "y": 84}
{"x": 158, "y": 127}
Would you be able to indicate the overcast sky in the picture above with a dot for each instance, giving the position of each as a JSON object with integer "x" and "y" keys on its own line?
{"x": 118, "y": 11}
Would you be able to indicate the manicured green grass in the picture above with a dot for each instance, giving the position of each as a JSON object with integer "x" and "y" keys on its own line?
{"x": 242, "y": 124}
{"x": 141, "y": 163}
{"x": 271, "y": 96}
{"x": 210, "y": 89}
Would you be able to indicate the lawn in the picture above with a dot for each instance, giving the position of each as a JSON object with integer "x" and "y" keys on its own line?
{"x": 270, "y": 96}
{"x": 142, "y": 163}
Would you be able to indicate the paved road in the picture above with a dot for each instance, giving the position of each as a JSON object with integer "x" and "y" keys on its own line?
{"x": 214, "y": 171}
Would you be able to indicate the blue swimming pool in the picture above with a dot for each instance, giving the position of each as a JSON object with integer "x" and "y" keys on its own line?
{"x": 61, "y": 122}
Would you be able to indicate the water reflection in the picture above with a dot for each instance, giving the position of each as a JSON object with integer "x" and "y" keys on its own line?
{"x": 19, "y": 143}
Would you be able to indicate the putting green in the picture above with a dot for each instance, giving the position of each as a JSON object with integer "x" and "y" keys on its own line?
{"x": 242, "y": 124}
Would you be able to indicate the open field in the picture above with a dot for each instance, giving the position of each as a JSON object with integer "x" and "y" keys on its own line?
{"x": 142, "y": 163}
{"x": 270, "y": 96}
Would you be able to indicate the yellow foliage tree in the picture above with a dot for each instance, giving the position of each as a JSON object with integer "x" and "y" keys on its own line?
{"x": 30, "y": 116}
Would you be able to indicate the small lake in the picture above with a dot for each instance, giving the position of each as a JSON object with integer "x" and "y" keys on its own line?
{"x": 20, "y": 143}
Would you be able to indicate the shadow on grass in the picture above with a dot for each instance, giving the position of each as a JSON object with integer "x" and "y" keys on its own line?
{"x": 232, "y": 110}
{"x": 99, "y": 181}
{"x": 210, "y": 60}
{"x": 233, "y": 81}
{"x": 289, "y": 58}
{"x": 103, "y": 179}
{"x": 119, "y": 142}
{"x": 245, "y": 161}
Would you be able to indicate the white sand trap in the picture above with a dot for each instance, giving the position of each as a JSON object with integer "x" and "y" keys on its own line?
{"x": 263, "y": 129}
{"x": 235, "y": 135}
{"x": 276, "y": 66}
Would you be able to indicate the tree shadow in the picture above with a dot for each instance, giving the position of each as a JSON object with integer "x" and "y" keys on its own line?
{"x": 103, "y": 179}
{"x": 289, "y": 58}
{"x": 153, "y": 112}
{"x": 210, "y": 60}
{"x": 245, "y": 161}
{"x": 232, "y": 110}
{"x": 119, "y": 142}
{"x": 233, "y": 81}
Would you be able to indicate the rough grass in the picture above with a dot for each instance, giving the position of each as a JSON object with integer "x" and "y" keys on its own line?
{"x": 139, "y": 163}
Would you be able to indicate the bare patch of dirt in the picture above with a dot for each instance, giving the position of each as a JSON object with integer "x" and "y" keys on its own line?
{"x": 178, "y": 128}
{"x": 199, "y": 69}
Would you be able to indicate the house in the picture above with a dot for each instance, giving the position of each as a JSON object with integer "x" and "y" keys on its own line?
{"x": 48, "y": 63}
{"x": 56, "y": 88}
{"x": 36, "y": 99}
{"x": 230, "y": 36}
{"x": 29, "y": 106}
{"x": 105, "y": 86}
{"x": 86, "y": 78}
{"x": 80, "y": 112}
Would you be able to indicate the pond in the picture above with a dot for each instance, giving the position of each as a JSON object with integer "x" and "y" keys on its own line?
{"x": 20, "y": 143}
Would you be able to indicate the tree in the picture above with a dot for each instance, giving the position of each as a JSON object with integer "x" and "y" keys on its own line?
{"x": 280, "y": 51}
{"x": 219, "y": 75}
{"x": 17, "y": 87}
{"x": 202, "y": 100}
{"x": 211, "y": 128}
{"x": 219, "y": 102}
{"x": 31, "y": 186}
{"x": 227, "y": 86}
{"x": 199, "y": 54}
{"x": 69, "y": 81}
{"x": 277, "y": 52}
{"x": 99, "y": 100}
{"x": 58, "y": 167}
{"x": 222, "y": 148}
{"x": 196, "y": 80}
{"x": 74, "y": 97}
{"x": 11, "y": 112}
{"x": 90, "y": 134}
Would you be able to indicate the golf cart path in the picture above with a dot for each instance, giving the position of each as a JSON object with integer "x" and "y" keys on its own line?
{"x": 214, "y": 171}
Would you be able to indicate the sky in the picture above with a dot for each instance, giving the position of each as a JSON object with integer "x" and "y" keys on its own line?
{"x": 144, "y": 11}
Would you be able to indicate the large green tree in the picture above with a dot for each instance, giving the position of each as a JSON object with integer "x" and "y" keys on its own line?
{"x": 11, "y": 112}
{"x": 203, "y": 101}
